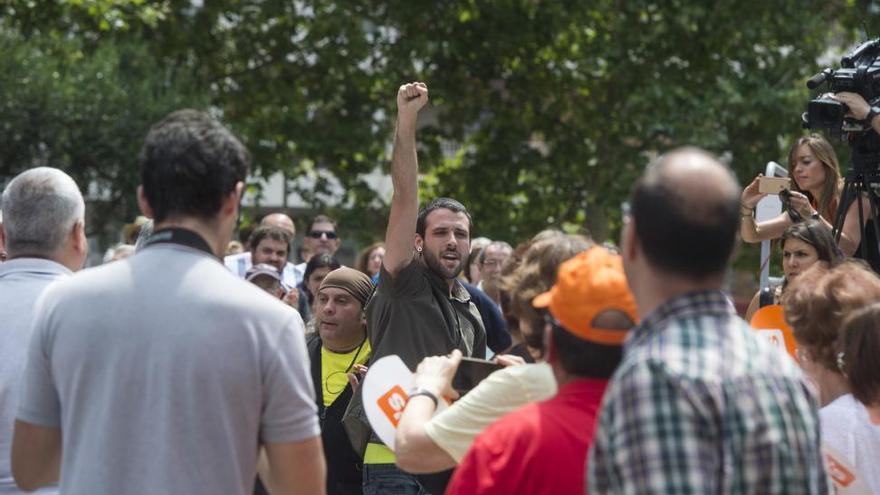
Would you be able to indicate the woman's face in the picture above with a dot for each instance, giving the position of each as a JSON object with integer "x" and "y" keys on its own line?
{"x": 797, "y": 256}
{"x": 316, "y": 278}
{"x": 808, "y": 172}
{"x": 374, "y": 261}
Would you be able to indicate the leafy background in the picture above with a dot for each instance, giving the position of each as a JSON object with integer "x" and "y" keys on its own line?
{"x": 543, "y": 113}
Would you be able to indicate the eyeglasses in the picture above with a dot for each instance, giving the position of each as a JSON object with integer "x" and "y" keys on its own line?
{"x": 316, "y": 234}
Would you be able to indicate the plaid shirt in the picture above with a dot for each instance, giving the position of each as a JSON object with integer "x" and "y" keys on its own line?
{"x": 700, "y": 405}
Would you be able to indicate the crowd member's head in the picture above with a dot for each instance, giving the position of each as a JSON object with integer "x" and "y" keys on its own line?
{"x": 859, "y": 351}
{"x": 339, "y": 309}
{"x": 805, "y": 243}
{"x": 472, "y": 268}
{"x": 492, "y": 260}
{"x": 44, "y": 217}
{"x": 443, "y": 229}
{"x": 321, "y": 237}
{"x": 816, "y": 304}
{"x": 682, "y": 228}
{"x": 270, "y": 245}
{"x": 193, "y": 169}
{"x": 279, "y": 220}
{"x": 266, "y": 277}
{"x": 591, "y": 311}
{"x": 535, "y": 275}
{"x": 369, "y": 260}
{"x": 234, "y": 247}
{"x": 316, "y": 269}
{"x": 813, "y": 167}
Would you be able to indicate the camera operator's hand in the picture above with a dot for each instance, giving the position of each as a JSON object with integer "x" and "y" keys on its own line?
{"x": 751, "y": 194}
{"x": 858, "y": 107}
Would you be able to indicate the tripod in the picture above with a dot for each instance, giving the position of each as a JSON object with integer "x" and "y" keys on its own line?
{"x": 862, "y": 183}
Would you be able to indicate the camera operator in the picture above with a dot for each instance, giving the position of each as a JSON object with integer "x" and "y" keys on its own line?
{"x": 815, "y": 193}
{"x": 859, "y": 109}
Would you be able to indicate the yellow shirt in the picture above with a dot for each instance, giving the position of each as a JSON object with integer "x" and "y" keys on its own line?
{"x": 335, "y": 368}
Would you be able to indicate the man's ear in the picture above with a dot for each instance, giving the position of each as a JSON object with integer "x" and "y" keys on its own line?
{"x": 419, "y": 243}
{"x": 143, "y": 204}
{"x": 231, "y": 203}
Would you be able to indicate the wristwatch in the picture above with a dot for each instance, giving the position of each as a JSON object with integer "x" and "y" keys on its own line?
{"x": 427, "y": 394}
{"x": 872, "y": 112}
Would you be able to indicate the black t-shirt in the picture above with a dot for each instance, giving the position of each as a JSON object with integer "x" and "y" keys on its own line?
{"x": 414, "y": 316}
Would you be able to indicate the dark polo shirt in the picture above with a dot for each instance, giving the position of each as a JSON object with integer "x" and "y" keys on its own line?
{"x": 413, "y": 316}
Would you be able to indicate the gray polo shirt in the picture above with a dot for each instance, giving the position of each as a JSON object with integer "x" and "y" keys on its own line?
{"x": 22, "y": 281}
{"x": 165, "y": 372}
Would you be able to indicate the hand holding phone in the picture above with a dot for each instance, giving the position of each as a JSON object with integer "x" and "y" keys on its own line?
{"x": 773, "y": 185}
{"x": 471, "y": 371}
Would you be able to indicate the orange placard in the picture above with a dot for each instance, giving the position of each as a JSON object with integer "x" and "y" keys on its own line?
{"x": 392, "y": 403}
{"x": 769, "y": 321}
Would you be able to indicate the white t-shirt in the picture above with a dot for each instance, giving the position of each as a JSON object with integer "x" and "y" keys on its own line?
{"x": 847, "y": 428}
{"x": 505, "y": 390}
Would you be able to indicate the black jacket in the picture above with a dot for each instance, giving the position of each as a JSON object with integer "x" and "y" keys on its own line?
{"x": 344, "y": 466}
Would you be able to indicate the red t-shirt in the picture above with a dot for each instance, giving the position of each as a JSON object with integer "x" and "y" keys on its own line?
{"x": 540, "y": 448}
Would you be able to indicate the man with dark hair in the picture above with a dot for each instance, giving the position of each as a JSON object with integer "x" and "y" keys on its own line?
{"x": 338, "y": 349}
{"x": 420, "y": 308}
{"x": 164, "y": 372}
{"x": 541, "y": 448}
{"x": 270, "y": 245}
{"x": 291, "y": 274}
{"x": 45, "y": 231}
{"x": 699, "y": 404}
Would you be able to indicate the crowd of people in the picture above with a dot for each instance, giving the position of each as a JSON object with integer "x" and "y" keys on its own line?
{"x": 192, "y": 362}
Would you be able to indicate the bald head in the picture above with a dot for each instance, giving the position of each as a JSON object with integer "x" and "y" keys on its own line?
{"x": 686, "y": 213}
{"x": 279, "y": 220}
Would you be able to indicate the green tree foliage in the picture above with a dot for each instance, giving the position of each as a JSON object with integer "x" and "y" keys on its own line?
{"x": 543, "y": 113}
{"x": 84, "y": 112}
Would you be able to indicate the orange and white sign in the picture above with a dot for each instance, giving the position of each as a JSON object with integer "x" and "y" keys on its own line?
{"x": 770, "y": 324}
{"x": 843, "y": 475}
{"x": 385, "y": 394}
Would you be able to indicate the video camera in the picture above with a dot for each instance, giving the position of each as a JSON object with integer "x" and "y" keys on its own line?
{"x": 859, "y": 72}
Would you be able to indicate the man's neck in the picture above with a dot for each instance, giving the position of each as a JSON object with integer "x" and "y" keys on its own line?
{"x": 657, "y": 289}
{"x": 344, "y": 347}
{"x": 215, "y": 241}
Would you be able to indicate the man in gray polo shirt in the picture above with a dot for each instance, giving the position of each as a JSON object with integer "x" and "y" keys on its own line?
{"x": 164, "y": 372}
{"x": 44, "y": 231}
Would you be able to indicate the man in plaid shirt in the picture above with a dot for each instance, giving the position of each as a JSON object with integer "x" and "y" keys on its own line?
{"x": 699, "y": 403}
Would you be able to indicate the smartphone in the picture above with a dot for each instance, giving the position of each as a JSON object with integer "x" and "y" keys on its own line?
{"x": 773, "y": 185}
{"x": 472, "y": 371}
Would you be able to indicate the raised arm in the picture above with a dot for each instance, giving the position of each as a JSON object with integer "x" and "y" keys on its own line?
{"x": 400, "y": 235}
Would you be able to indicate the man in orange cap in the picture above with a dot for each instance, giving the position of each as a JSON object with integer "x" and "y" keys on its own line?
{"x": 541, "y": 448}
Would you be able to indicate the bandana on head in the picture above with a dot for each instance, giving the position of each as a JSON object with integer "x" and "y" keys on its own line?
{"x": 350, "y": 280}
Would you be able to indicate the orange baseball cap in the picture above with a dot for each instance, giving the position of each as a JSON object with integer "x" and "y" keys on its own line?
{"x": 587, "y": 285}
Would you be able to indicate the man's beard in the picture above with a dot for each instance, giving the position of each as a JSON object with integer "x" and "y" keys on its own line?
{"x": 437, "y": 267}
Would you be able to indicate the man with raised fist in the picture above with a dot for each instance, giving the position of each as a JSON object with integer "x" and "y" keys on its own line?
{"x": 420, "y": 308}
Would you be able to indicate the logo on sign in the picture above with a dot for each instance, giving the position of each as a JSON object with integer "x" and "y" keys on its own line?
{"x": 774, "y": 336}
{"x": 392, "y": 403}
{"x": 838, "y": 473}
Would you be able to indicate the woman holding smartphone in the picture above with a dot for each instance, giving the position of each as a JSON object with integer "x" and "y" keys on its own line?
{"x": 815, "y": 193}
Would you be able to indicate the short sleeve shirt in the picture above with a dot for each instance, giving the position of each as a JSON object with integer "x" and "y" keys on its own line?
{"x": 455, "y": 428}
{"x": 414, "y": 316}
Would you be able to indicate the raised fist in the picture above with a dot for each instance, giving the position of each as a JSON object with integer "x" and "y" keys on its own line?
{"x": 411, "y": 98}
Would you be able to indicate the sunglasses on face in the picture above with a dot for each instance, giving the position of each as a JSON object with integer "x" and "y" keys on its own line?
{"x": 316, "y": 234}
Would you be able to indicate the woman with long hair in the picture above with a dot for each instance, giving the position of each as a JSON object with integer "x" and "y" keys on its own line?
{"x": 815, "y": 193}
{"x": 803, "y": 244}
